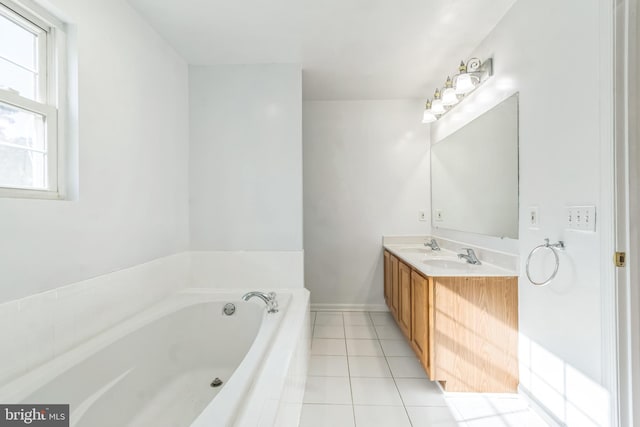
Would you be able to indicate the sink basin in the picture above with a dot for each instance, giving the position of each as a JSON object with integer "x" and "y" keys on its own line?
{"x": 448, "y": 263}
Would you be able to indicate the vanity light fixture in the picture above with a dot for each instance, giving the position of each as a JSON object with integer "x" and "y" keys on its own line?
{"x": 428, "y": 116}
{"x": 470, "y": 75}
{"x": 449, "y": 95}
{"x": 437, "y": 106}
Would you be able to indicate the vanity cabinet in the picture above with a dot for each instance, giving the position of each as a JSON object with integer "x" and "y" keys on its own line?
{"x": 464, "y": 330}
{"x": 421, "y": 320}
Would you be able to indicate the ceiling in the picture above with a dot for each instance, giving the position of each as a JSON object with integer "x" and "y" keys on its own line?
{"x": 348, "y": 49}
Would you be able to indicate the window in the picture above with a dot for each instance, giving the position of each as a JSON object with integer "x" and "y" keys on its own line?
{"x": 30, "y": 83}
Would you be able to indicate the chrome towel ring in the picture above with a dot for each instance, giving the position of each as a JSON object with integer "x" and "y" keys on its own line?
{"x": 553, "y": 248}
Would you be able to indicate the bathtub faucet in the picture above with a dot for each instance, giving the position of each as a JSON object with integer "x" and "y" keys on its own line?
{"x": 268, "y": 298}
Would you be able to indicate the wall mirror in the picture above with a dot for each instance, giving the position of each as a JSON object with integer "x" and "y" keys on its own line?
{"x": 474, "y": 175}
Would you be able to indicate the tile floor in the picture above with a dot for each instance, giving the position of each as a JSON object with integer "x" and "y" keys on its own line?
{"x": 363, "y": 373}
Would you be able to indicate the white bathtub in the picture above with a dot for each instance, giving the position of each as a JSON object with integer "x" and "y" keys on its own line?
{"x": 155, "y": 369}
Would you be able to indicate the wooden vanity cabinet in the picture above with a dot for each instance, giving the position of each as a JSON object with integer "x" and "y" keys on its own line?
{"x": 422, "y": 320}
{"x": 464, "y": 330}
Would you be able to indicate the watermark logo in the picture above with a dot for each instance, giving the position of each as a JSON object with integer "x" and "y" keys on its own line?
{"x": 34, "y": 415}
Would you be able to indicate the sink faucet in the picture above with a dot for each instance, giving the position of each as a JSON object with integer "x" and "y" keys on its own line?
{"x": 470, "y": 256}
{"x": 268, "y": 298}
{"x": 433, "y": 245}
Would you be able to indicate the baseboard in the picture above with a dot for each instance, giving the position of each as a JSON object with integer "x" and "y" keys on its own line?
{"x": 540, "y": 409}
{"x": 349, "y": 307}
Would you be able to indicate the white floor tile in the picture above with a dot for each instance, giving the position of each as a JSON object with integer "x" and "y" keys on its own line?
{"x": 479, "y": 410}
{"x": 513, "y": 403}
{"x": 370, "y": 362}
{"x": 396, "y": 348}
{"x": 389, "y": 332}
{"x": 329, "y": 318}
{"x": 356, "y": 318}
{"x": 432, "y": 416}
{"x": 406, "y": 367}
{"x": 328, "y": 331}
{"x": 357, "y": 347}
{"x": 328, "y": 390}
{"x": 382, "y": 318}
{"x": 314, "y": 415}
{"x": 368, "y": 366}
{"x": 526, "y": 418}
{"x": 473, "y": 406}
{"x": 328, "y": 347}
{"x": 381, "y": 416}
{"x": 375, "y": 391}
{"x": 360, "y": 332}
{"x": 490, "y": 421}
{"x": 328, "y": 366}
{"x": 420, "y": 392}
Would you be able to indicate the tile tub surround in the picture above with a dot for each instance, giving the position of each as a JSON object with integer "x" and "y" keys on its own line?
{"x": 39, "y": 327}
{"x": 376, "y": 380}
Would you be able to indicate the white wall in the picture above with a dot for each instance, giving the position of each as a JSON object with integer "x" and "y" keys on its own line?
{"x": 246, "y": 158}
{"x": 133, "y": 139}
{"x": 366, "y": 169}
{"x": 561, "y": 121}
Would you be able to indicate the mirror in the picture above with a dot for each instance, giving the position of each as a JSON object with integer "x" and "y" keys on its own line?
{"x": 474, "y": 175}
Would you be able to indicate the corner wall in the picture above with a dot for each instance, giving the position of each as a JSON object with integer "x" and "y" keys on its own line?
{"x": 366, "y": 174}
{"x": 246, "y": 158}
{"x": 246, "y": 176}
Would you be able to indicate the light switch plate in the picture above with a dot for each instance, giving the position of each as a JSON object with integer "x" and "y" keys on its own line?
{"x": 533, "y": 217}
{"x": 439, "y": 216}
{"x": 422, "y": 216}
{"x": 581, "y": 218}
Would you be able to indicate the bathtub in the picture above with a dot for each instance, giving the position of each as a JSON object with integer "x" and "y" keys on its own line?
{"x": 157, "y": 368}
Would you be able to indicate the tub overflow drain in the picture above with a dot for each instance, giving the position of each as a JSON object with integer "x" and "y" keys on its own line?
{"x": 216, "y": 383}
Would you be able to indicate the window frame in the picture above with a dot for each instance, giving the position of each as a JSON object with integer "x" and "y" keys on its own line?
{"x": 50, "y": 100}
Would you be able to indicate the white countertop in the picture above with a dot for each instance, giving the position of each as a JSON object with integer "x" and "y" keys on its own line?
{"x": 444, "y": 263}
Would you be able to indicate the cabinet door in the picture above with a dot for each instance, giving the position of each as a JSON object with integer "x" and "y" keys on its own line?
{"x": 404, "y": 278}
{"x": 422, "y": 321}
{"x": 387, "y": 278}
{"x": 395, "y": 291}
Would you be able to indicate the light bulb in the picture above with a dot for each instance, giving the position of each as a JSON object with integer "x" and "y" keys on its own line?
{"x": 437, "y": 107}
{"x": 464, "y": 84}
{"x": 449, "y": 97}
{"x": 428, "y": 117}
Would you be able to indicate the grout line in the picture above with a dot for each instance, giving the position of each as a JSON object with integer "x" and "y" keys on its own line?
{"x": 353, "y": 406}
{"x": 404, "y": 406}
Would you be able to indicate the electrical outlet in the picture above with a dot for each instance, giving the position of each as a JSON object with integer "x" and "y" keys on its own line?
{"x": 581, "y": 218}
{"x": 533, "y": 217}
{"x": 422, "y": 216}
{"x": 439, "y": 215}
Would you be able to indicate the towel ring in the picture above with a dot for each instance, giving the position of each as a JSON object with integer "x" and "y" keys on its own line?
{"x": 552, "y": 247}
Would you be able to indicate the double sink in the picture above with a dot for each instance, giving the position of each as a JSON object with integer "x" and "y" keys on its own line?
{"x": 443, "y": 263}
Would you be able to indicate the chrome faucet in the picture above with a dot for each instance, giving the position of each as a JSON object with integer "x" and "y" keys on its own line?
{"x": 470, "y": 256}
{"x": 268, "y": 298}
{"x": 433, "y": 245}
